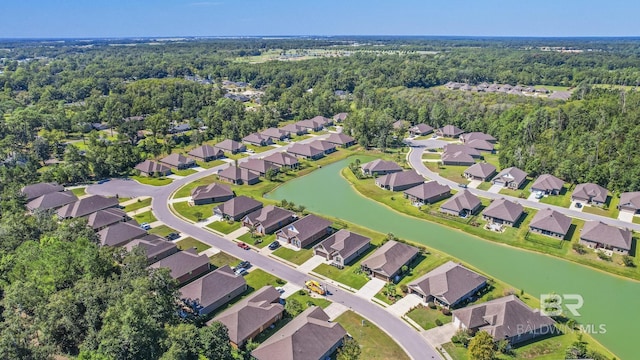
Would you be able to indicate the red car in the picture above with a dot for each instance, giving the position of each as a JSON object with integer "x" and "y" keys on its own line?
{"x": 244, "y": 246}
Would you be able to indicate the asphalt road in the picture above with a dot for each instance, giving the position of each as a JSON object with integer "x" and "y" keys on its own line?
{"x": 408, "y": 338}
{"x": 415, "y": 160}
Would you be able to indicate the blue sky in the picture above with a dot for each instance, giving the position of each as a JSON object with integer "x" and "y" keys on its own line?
{"x": 121, "y": 18}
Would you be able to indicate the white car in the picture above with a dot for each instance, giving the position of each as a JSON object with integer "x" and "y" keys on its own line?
{"x": 240, "y": 271}
{"x": 145, "y": 226}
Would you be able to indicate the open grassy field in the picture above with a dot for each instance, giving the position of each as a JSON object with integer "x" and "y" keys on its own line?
{"x": 184, "y": 172}
{"x": 161, "y": 181}
{"x": 296, "y": 257}
{"x": 194, "y": 212}
{"x": 305, "y": 300}
{"x": 210, "y": 164}
{"x": 451, "y": 172}
{"x": 610, "y": 209}
{"x": 563, "y": 199}
{"x": 259, "y": 149}
{"x": 523, "y": 192}
{"x": 346, "y": 276}
{"x": 375, "y": 343}
{"x": 138, "y": 205}
{"x": 259, "y": 241}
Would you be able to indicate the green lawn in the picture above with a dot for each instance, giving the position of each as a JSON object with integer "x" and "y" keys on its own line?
{"x": 484, "y": 186}
{"x": 431, "y": 156}
{"x": 426, "y": 317}
{"x": 636, "y": 220}
{"x": 145, "y": 217}
{"x": 492, "y": 159}
{"x": 307, "y": 300}
{"x": 123, "y": 199}
{"x": 609, "y": 210}
{"x": 451, "y": 172}
{"x": 523, "y": 192}
{"x": 296, "y": 257}
{"x": 138, "y": 205}
{"x": 222, "y": 258}
{"x": 161, "y": 181}
{"x": 259, "y": 241}
{"x": 186, "y": 190}
{"x": 162, "y": 230}
{"x": 375, "y": 343}
{"x": 224, "y": 226}
{"x": 190, "y": 242}
{"x": 184, "y": 172}
{"x": 259, "y": 149}
{"x": 79, "y": 191}
{"x": 192, "y": 212}
{"x": 562, "y": 200}
{"x": 257, "y": 278}
{"x": 456, "y": 351}
{"x": 210, "y": 164}
{"x": 345, "y": 276}
{"x": 235, "y": 156}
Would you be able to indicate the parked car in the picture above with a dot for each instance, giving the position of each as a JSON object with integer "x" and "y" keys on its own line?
{"x": 250, "y": 151}
{"x": 464, "y": 186}
{"x": 280, "y": 289}
{"x": 539, "y": 195}
{"x": 274, "y": 245}
{"x": 243, "y": 264}
{"x": 103, "y": 181}
{"x": 173, "y": 236}
{"x": 145, "y": 226}
{"x": 240, "y": 271}
{"x": 243, "y": 245}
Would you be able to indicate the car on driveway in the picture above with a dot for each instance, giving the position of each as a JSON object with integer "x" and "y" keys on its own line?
{"x": 243, "y": 264}
{"x": 240, "y": 271}
{"x": 145, "y": 226}
{"x": 274, "y": 245}
{"x": 243, "y": 245}
{"x": 173, "y": 236}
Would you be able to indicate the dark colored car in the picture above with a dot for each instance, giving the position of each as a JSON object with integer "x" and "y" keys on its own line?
{"x": 244, "y": 264}
{"x": 274, "y": 245}
{"x": 173, "y": 236}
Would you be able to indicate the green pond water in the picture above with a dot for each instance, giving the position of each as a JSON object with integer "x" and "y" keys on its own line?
{"x": 608, "y": 300}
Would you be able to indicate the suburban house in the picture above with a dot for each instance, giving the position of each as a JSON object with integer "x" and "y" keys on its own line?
{"x": 340, "y": 117}
{"x": 120, "y": 233}
{"x": 480, "y": 145}
{"x": 454, "y": 148}
{"x": 326, "y": 146}
{"x": 551, "y": 223}
{"x": 630, "y": 202}
{"x": 294, "y": 129}
{"x": 103, "y": 218}
{"x": 506, "y": 318}
{"x": 180, "y": 128}
{"x": 449, "y": 131}
{"x": 511, "y": 178}
{"x": 399, "y": 124}
{"x": 387, "y": 261}
{"x": 399, "y": 181}
{"x": 477, "y": 136}
{"x": 305, "y": 151}
{"x": 252, "y": 315}
{"x": 309, "y": 124}
{"x": 275, "y": 134}
{"x": 237, "y": 208}
{"x": 342, "y": 247}
{"x": 309, "y": 335}
{"x": 420, "y": 130}
{"x": 590, "y": 193}
{"x": 341, "y": 139}
{"x": 459, "y": 158}
{"x": 178, "y": 161}
{"x": 86, "y": 206}
{"x": 268, "y": 219}
{"x": 214, "y": 192}
{"x": 380, "y": 167}
{"x": 51, "y": 201}
{"x": 239, "y": 176}
{"x": 259, "y": 166}
{"x": 427, "y": 193}
{"x": 155, "y": 247}
{"x": 480, "y": 171}
{"x": 152, "y": 168}
{"x": 283, "y": 159}
{"x": 184, "y": 265}
{"x": 305, "y": 231}
{"x": 463, "y": 203}
{"x": 547, "y": 184}
{"x": 36, "y": 190}
{"x": 503, "y": 212}
{"x": 257, "y": 139}
{"x": 213, "y": 290}
{"x": 596, "y": 234}
{"x": 206, "y": 153}
{"x": 231, "y": 146}
{"x": 448, "y": 285}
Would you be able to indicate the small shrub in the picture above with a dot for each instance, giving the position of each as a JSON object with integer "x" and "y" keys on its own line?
{"x": 302, "y": 292}
{"x": 404, "y": 288}
{"x": 446, "y": 311}
{"x": 431, "y": 305}
{"x": 280, "y": 281}
{"x": 603, "y": 256}
{"x": 628, "y": 261}
{"x": 579, "y": 248}
{"x": 438, "y": 322}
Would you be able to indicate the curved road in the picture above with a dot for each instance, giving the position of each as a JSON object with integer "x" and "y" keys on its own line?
{"x": 415, "y": 160}
{"x": 408, "y": 338}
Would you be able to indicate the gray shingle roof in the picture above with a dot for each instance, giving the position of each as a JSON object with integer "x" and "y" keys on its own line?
{"x": 236, "y": 173}
{"x": 213, "y": 190}
{"x": 120, "y": 233}
{"x": 182, "y": 263}
{"x": 453, "y": 148}
{"x": 547, "y": 182}
{"x": 152, "y": 244}
{"x": 150, "y": 166}
{"x": 504, "y": 209}
{"x": 428, "y": 190}
{"x": 304, "y": 150}
{"x": 449, "y": 282}
{"x": 381, "y": 165}
{"x": 260, "y": 166}
{"x": 590, "y": 191}
{"x": 344, "y": 242}
{"x": 457, "y": 156}
{"x": 52, "y": 200}
{"x": 270, "y": 215}
{"x": 340, "y": 139}
{"x": 239, "y": 205}
{"x": 306, "y": 227}
{"x": 229, "y": 145}
{"x": 450, "y": 131}
{"x": 630, "y": 199}
{"x": 36, "y": 190}
{"x": 477, "y": 136}
{"x": 206, "y": 151}
{"x": 602, "y": 233}
{"x": 400, "y": 178}
{"x": 421, "y": 128}
{"x": 463, "y": 200}
{"x": 86, "y": 206}
{"x": 390, "y": 257}
{"x": 212, "y": 287}
{"x": 480, "y": 144}
{"x": 282, "y": 159}
{"x": 551, "y": 220}
{"x": 105, "y": 217}
{"x": 482, "y": 170}
{"x": 274, "y": 133}
{"x": 511, "y": 174}
{"x": 256, "y": 138}
{"x": 177, "y": 160}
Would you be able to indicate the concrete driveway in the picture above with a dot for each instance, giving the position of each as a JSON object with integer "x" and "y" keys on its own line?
{"x": 574, "y": 207}
{"x": 532, "y": 197}
{"x": 495, "y": 189}
{"x": 405, "y": 304}
{"x": 474, "y": 184}
{"x": 311, "y": 264}
{"x": 440, "y": 334}
{"x": 334, "y": 310}
{"x": 626, "y": 216}
{"x": 371, "y": 288}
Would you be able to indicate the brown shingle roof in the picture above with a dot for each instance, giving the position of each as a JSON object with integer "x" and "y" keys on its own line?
{"x": 150, "y": 166}
{"x": 52, "y": 200}
{"x": 590, "y": 191}
{"x": 449, "y": 282}
{"x": 206, "y": 151}
{"x": 477, "y": 135}
{"x": 274, "y": 133}
{"x": 236, "y": 173}
{"x": 292, "y": 128}
{"x": 504, "y": 209}
{"x": 547, "y": 182}
{"x": 428, "y": 190}
{"x": 229, "y": 145}
{"x": 453, "y": 148}
{"x": 270, "y": 215}
{"x": 213, "y": 190}
{"x": 458, "y": 157}
{"x": 340, "y": 116}
{"x": 480, "y": 144}
{"x": 421, "y": 128}
{"x": 238, "y": 206}
{"x": 390, "y": 257}
{"x": 153, "y": 245}
{"x": 305, "y": 228}
{"x": 551, "y": 220}
{"x": 340, "y": 139}
{"x": 36, "y": 190}
{"x": 630, "y": 199}
{"x": 401, "y": 178}
{"x": 182, "y": 263}
{"x": 105, "y": 217}
{"x": 304, "y": 150}
{"x": 463, "y": 200}
{"x": 120, "y": 233}
{"x": 256, "y": 138}
{"x": 481, "y": 170}
{"x": 597, "y": 231}
{"x": 345, "y": 243}
{"x": 381, "y": 165}
{"x": 282, "y": 159}
{"x": 177, "y": 160}
{"x": 450, "y": 131}
{"x": 212, "y": 287}
{"x": 511, "y": 174}
{"x": 260, "y": 166}
{"x": 86, "y": 206}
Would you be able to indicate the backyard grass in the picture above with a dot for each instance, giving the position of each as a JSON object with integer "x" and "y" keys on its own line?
{"x": 257, "y": 278}
{"x": 145, "y": 217}
{"x": 492, "y": 159}
{"x": 222, "y": 258}
{"x": 224, "y": 226}
{"x": 190, "y": 242}
{"x": 375, "y": 343}
{"x": 426, "y": 317}
{"x": 263, "y": 240}
{"x": 194, "y": 212}
{"x": 138, "y": 205}
{"x": 79, "y": 191}
{"x": 345, "y": 276}
{"x": 296, "y": 257}
{"x": 184, "y": 172}
{"x": 162, "y": 230}
{"x": 306, "y": 300}
{"x": 451, "y": 172}
{"x": 259, "y": 149}
{"x": 210, "y": 164}
{"x": 563, "y": 199}
{"x": 161, "y": 181}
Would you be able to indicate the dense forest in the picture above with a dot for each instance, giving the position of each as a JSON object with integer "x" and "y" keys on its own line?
{"x": 63, "y": 294}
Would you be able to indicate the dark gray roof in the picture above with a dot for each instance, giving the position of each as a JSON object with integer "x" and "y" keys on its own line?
{"x": 52, "y": 200}
{"x": 449, "y": 282}
{"x": 86, "y": 206}
{"x": 453, "y": 148}
{"x": 551, "y": 220}
{"x": 504, "y": 209}
{"x": 340, "y": 116}
{"x": 282, "y": 159}
{"x": 590, "y": 190}
{"x": 421, "y": 128}
{"x": 503, "y": 318}
{"x": 344, "y": 242}
{"x": 602, "y": 233}
{"x": 105, "y": 217}
{"x": 306, "y": 227}
{"x": 310, "y": 124}
{"x": 340, "y": 139}
{"x": 36, "y": 190}
{"x": 239, "y": 205}
{"x": 152, "y": 245}
{"x": 400, "y": 178}
{"x": 308, "y": 336}
{"x": 547, "y": 182}
{"x": 480, "y": 144}
{"x": 182, "y": 263}
{"x": 206, "y": 151}
{"x": 630, "y": 199}
{"x": 229, "y": 145}
{"x": 450, "y": 131}
{"x": 269, "y": 215}
{"x": 274, "y": 133}
{"x": 457, "y": 156}
{"x": 292, "y": 128}
{"x": 381, "y": 165}
{"x": 482, "y": 170}
{"x": 177, "y": 160}
{"x": 511, "y": 174}
{"x": 257, "y": 165}
{"x": 212, "y": 287}
{"x": 477, "y": 136}
{"x": 428, "y": 190}
{"x": 256, "y": 138}
{"x": 560, "y": 95}
{"x": 390, "y": 257}
{"x": 250, "y": 314}
{"x": 322, "y": 120}
{"x": 236, "y": 173}
{"x": 120, "y": 233}
{"x": 463, "y": 200}
{"x": 150, "y": 166}
{"x": 304, "y": 150}
{"x": 213, "y": 190}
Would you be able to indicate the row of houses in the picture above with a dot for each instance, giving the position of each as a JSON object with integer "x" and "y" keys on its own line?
{"x": 509, "y": 89}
